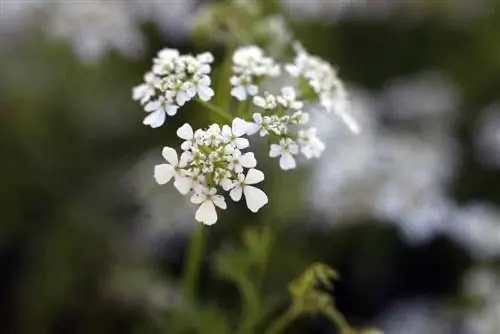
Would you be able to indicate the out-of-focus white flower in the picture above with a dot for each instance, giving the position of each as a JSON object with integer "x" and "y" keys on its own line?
{"x": 94, "y": 27}
{"x": 482, "y": 283}
{"x": 426, "y": 96}
{"x": 487, "y": 136}
{"x": 250, "y": 66}
{"x": 477, "y": 227}
{"x": 324, "y": 81}
{"x": 310, "y": 145}
{"x": 416, "y": 317}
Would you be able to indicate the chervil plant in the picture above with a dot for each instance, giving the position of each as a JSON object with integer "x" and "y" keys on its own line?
{"x": 214, "y": 160}
{"x": 216, "y": 163}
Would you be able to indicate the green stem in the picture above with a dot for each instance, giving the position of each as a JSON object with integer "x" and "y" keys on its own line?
{"x": 250, "y": 305}
{"x": 220, "y": 112}
{"x": 282, "y": 322}
{"x": 193, "y": 263}
{"x": 334, "y": 315}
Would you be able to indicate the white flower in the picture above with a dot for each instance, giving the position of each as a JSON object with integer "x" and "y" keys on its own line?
{"x": 163, "y": 173}
{"x": 285, "y": 150}
{"x": 310, "y": 145}
{"x": 239, "y": 161}
{"x": 233, "y": 134}
{"x": 323, "y": 79}
{"x": 186, "y": 132}
{"x": 242, "y": 87}
{"x": 288, "y": 99}
{"x": 208, "y": 199}
{"x": 249, "y": 66}
{"x": 202, "y": 87}
{"x": 157, "y": 110}
{"x": 147, "y": 90}
{"x": 268, "y": 103}
{"x": 255, "y": 198}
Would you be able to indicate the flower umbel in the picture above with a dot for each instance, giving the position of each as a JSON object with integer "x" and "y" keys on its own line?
{"x": 173, "y": 80}
{"x": 211, "y": 161}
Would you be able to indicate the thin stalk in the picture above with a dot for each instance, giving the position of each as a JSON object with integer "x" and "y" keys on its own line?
{"x": 334, "y": 315}
{"x": 193, "y": 263}
{"x": 282, "y": 322}
{"x": 220, "y": 112}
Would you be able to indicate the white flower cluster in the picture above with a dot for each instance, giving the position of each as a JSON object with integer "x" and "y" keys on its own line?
{"x": 212, "y": 160}
{"x": 250, "y": 66}
{"x": 174, "y": 80}
{"x": 280, "y": 121}
{"x": 324, "y": 81}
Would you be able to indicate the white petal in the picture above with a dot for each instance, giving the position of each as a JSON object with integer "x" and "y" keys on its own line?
{"x": 239, "y": 92}
{"x": 292, "y": 70}
{"x": 219, "y": 201}
{"x": 183, "y": 185}
{"x": 205, "y": 93}
{"x": 190, "y": 92}
{"x": 235, "y": 81}
{"x": 236, "y": 193}
{"x": 226, "y": 184}
{"x": 171, "y": 109}
{"x": 226, "y": 131}
{"x": 170, "y": 155}
{"x": 241, "y": 143}
{"x": 248, "y": 160}
{"x": 287, "y": 161}
{"x": 181, "y": 98}
{"x": 155, "y": 119}
{"x": 239, "y": 127}
{"x": 252, "y": 128}
{"x": 186, "y": 157}
{"x": 255, "y": 198}
{"x": 186, "y": 145}
{"x": 254, "y": 176}
{"x": 206, "y": 213}
{"x": 275, "y": 151}
{"x": 204, "y": 81}
{"x": 185, "y": 132}
{"x": 163, "y": 173}
{"x": 198, "y": 198}
{"x": 252, "y": 90}
{"x": 152, "y": 106}
{"x": 259, "y": 101}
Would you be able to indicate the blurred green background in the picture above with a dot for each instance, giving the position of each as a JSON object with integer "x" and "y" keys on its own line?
{"x": 89, "y": 244}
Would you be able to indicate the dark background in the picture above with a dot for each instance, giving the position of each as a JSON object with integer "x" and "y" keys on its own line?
{"x": 89, "y": 244}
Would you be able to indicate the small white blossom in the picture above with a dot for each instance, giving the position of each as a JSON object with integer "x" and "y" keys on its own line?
{"x": 147, "y": 90}
{"x": 288, "y": 99}
{"x": 250, "y": 66}
{"x": 243, "y": 87}
{"x": 285, "y": 149}
{"x": 323, "y": 79}
{"x": 157, "y": 110}
{"x": 254, "y": 197}
{"x": 174, "y": 80}
{"x": 208, "y": 200}
{"x": 310, "y": 145}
